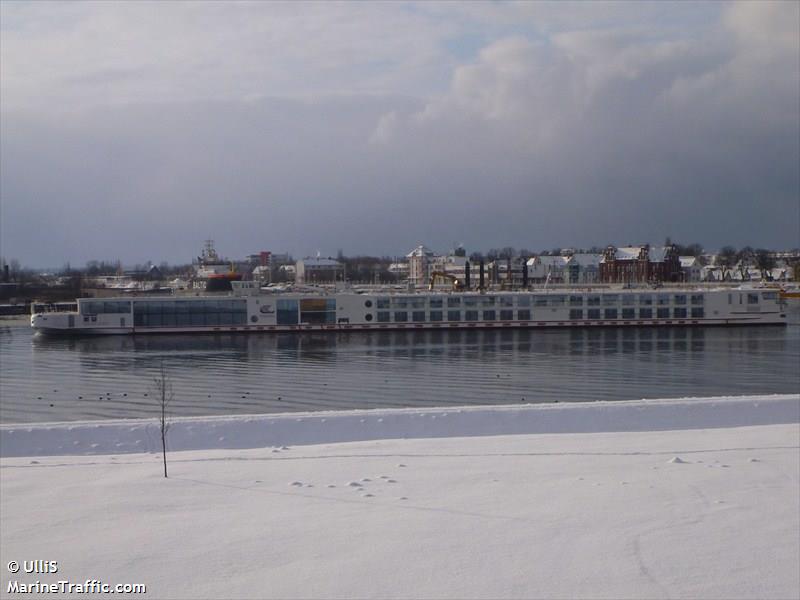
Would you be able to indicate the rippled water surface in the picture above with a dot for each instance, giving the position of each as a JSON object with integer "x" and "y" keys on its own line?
{"x": 57, "y": 379}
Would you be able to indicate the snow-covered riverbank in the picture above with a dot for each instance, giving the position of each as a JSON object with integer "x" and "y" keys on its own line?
{"x": 672, "y": 499}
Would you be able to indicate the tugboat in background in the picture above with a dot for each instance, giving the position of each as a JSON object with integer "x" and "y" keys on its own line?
{"x": 212, "y": 272}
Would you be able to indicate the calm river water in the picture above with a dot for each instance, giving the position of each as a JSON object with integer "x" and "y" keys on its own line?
{"x": 62, "y": 379}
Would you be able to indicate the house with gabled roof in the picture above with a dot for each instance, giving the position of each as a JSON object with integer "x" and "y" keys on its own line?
{"x": 640, "y": 264}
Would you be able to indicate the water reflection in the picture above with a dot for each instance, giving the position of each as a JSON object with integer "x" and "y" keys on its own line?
{"x": 49, "y": 378}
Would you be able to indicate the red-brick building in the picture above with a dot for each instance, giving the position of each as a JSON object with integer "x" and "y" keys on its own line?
{"x": 640, "y": 264}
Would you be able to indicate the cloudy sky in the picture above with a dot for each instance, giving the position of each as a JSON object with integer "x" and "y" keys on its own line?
{"x": 134, "y": 131}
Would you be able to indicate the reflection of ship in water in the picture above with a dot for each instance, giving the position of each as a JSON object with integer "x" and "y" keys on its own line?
{"x": 212, "y": 273}
{"x": 481, "y": 344}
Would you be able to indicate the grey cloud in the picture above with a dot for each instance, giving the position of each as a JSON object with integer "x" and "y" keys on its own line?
{"x": 580, "y": 137}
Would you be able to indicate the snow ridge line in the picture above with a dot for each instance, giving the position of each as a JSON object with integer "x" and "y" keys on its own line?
{"x": 261, "y": 431}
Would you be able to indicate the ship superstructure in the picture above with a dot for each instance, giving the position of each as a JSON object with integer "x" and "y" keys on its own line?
{"x": 249, "y": 309}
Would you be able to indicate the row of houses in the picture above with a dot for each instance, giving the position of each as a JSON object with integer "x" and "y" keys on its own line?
{"x": 644, "y": 264}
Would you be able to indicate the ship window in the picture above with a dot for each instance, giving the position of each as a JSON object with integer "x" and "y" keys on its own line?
{"x": 436, "y": 303}
{"x": 400, "y": 302}
{"x": 610, "y": 300}
{"x": 488, "y": 301}
{"x": 506, "y": 315}
{"x": 752, "y": 298}
{"x": 593, "y": 301}
{"x": 610, "y": 313}
{"x": 593, "y": 313}
{"x": 575, "y": 314}
{"x": 698, "y": 299}
{"x": 576, "y": 300}
{"x": 316, "y": 311}
{"x": 470, "y": 315}
{"x": 384, "y": 317}
{"x": 698, "y": 312}
{"x": 628, "y": 313}
{"x": 470, "y": 301}
{"x": 540, "y": 300}
{"x": 628, "y": 300}
{"x": 524, "y": 301}
{"x": 418, "y": 316}
{"x": 118, "y": 306}
{"x": 383, "y": 302}
{"x": 436, "y": 315}
{"x": 453, "y": 301}
{"x": 368, "y": 317}
{"x": 662, "y": 313}
{"x": 506, "y": 300}
{"x": 769, "y": 295}
{"x": 645, "y": 299}
{"x": 680, "y": 299}
{"x": 286, "y": 313}
{"x": 400, "y": 316}
{"x": 557, "y": 300}
{"x": 368, "y": 303}
{"x": 489, "y": 315}
{"x": 679, "y": 313}
{"x": 662, "y": 299}
{"x": 524, "y": 315}
{"x": 453, "y": 315}
{"x": 645, "y": 313}
{"x": 418, "y": 302}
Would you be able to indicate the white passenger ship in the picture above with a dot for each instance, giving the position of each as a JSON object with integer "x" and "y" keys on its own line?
{"x": 248, "y": 309}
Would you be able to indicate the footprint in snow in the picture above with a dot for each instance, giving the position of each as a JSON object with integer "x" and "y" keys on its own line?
{"x": 366, "y": 479}
{"x": 367, "y": 495}
{"x": 754, "y": 460}
{"x": 401, "y": 465}
{"x": 354, "y": 484}
{"x": 330, "y": 485}
{"x": 391, "y": 481}
{"x": 383, "y": 476}
{"x": 677, "y": 460}
{"x": 403, "y": 498}
{"x": 296, "y": 483}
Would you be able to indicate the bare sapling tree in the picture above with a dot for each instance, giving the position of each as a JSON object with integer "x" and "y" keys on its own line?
{"x": 164, "y": 395}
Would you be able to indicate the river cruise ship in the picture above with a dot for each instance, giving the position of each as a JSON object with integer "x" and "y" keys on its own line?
{"x": 248, "y": 309}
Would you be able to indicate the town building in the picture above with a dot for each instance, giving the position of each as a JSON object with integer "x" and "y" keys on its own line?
{"x": 692, "y": 268}
{"x": 547, "y": 269}
{"x": 583, "y": 269}
{"x": 640, "y": 264}
{"x": 318, "y": 270}
{"x": 420, "y": 260}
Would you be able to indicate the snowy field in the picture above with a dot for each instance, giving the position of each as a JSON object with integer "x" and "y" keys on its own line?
{"x": 696, "y": 498}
